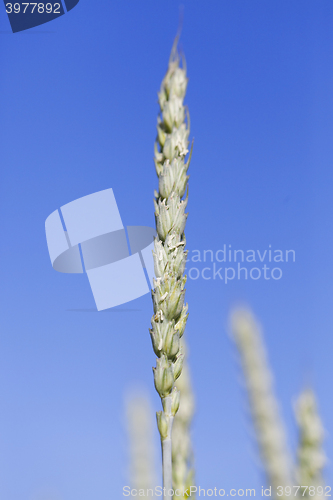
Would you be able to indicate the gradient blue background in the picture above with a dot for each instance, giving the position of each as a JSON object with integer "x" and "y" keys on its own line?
{"x": 77, "y": 115}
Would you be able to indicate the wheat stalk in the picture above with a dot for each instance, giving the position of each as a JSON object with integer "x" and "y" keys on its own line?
{"x": 170, "y": 312}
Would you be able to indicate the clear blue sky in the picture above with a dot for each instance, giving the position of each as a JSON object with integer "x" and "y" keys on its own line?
{"x": 78, "y": 115}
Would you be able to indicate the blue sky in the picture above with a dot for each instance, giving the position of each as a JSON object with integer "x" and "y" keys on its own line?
{"x": 78, "y": 115}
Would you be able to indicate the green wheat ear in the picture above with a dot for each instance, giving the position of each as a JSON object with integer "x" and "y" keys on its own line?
{"x": 170, "y": 312}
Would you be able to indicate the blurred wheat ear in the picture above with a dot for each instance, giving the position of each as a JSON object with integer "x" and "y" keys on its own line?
{"x": 310, "y": 455}
{"x": 141, "y": 443}
{"x": 182, "y": 450}
{"x": 270, "y": 431}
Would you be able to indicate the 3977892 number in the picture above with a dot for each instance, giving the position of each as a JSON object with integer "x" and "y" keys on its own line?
{"x": 30, "y": 8}
{"x": 304, "y": 491}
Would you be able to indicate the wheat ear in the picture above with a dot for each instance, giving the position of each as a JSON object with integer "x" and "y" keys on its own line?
{"x": 311, "y": 457}
{"x": 141, "y": 443}
{"x": 264, "y": 407}
{"x": 182, "y": 451}
{"x": 170, "y": 312}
